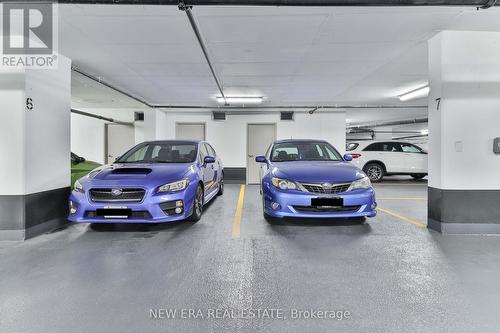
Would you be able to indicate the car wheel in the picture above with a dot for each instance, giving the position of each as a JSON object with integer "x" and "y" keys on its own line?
{"x": 418, "y": 176}
{"x": 221, "y": 186}
{"x": 197, "y": 205}
{"x": 374, "y": 171}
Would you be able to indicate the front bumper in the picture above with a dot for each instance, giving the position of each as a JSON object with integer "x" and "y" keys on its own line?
{"x": 149, "y": 210}
{"x": 357, "y": 203}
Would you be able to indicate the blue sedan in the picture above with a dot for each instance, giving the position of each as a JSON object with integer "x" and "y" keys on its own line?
{"x": 157, "y": 181}
{"x": 310, "y": 179}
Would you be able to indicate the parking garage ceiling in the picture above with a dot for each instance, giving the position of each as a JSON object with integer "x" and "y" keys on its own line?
{"x": 289, "y": 55}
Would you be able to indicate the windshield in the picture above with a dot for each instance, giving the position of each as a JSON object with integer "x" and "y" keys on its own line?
{"x": 165, "y": 152}
{"x": 304, "y": 151}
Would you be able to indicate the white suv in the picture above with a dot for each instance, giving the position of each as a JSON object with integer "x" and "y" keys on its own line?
{"x": 384, "y": 158}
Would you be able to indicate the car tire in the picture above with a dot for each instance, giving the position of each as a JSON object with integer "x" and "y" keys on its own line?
{"x": 419, "y": 175}
{"x": 221, "y": 186}
{"x": 197, "y": 205}
{"x": 374, "y": 171}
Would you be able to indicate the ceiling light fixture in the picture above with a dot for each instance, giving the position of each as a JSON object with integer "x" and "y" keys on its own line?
{"x": 417, "y": 93}
{"x": 239, "y": 100}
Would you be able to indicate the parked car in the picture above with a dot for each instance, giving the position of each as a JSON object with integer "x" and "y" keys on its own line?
{"x": 80, "y": 167}
{"x": 384, "y": 158}
{"x": 310, "y": 179}
{"x": 158, "y": 181}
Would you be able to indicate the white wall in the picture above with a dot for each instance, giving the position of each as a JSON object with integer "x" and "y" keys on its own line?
{"x": 35, "y": 143}
{"x": 12, "y": 133}
{"x": 464, "y": 70}
{"x": 229, "y": 136}
{"x": 87, "y": 134}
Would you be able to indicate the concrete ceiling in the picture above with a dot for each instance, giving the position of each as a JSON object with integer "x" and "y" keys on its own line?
{"x": 355, "y": 55}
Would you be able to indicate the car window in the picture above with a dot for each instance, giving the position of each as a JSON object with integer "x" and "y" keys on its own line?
{"x": 304, "y": 151}
{"x": 210, "y": 149}
{"x": 409, "y": 148}
{"x": 203, "y": 152}
{"x": 392, "y": 147}
{"x": 162, "y": 152}
{"x": 377, "y": 146}
{"x": 350, "y": 146}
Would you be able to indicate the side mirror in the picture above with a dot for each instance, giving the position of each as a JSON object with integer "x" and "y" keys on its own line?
{"x": 260, "y": 159}
{"x": 348, "y": 157}
{"x": 209, "y": 159}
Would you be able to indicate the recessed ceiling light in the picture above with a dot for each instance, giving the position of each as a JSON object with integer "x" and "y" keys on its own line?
{"x": 239, "y": 100}
{"x": 417, "y": 93}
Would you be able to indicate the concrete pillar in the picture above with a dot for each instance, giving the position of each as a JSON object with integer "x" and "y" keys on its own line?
{"x": 35, "y": 149}
{"x": 464, "y": 118}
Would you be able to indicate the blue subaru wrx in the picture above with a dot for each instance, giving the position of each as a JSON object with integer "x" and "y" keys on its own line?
{"x": 310, "y": 179}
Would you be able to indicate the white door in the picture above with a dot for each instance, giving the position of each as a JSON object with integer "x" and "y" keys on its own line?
{"x": 259, "y": 137}
{"x": 190, "y": 131}
{"x": 119, "y": 139}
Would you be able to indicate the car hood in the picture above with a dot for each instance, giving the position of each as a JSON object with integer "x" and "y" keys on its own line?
{"x": 140, "y": 174}
{"x": 317, "y": 172}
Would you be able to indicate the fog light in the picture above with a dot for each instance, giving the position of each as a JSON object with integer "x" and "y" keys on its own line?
{"x": 72, "y": 208}
{"x": 178, "y": 210}
{"x": 275, "y": 205}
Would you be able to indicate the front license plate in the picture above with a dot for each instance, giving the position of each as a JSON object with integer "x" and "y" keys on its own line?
{"x": 327, "y": 202}
{"x": 114, "y": 213}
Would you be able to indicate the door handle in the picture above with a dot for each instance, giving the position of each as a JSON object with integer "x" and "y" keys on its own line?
{"x": 250, "y": 156}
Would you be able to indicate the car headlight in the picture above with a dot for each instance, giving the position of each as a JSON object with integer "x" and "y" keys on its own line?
{"x": 78, "y": 186}
{"x": 174, "y": 187}
{"x": 284, "y": 184}
{"x": 361, "y": 183}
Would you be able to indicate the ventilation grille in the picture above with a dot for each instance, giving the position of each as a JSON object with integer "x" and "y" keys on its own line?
{"x": 219, "y": 115}
{"x": 286, "y": 115}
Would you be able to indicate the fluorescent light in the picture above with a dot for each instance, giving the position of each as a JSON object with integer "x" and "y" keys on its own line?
{"x": 417, "y": 93}
{"x": 239, "y": 100}
{"x": 424, "y": 132}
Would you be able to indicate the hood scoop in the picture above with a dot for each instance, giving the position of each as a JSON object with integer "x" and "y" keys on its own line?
{"x": 131, "y": 171}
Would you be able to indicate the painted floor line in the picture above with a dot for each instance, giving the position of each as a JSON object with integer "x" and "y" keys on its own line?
{"x": 237, "y": 215}
{"x": 401, "y": 217}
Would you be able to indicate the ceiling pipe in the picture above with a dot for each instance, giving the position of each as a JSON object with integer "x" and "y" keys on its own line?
{"x": 192, "y": 21}
{"x": 111, "y": 120}
{"x": 110, "y": 86}
{"x": 391, "y": 123}
{"x": 480, "y": 4}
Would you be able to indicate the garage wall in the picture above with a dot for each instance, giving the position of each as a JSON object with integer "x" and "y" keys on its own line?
{"x": 229, "y": 136}
{"x": 87, "y": 134}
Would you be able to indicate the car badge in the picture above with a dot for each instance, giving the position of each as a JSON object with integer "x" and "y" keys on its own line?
{"x": 116, "y": 192}
{"x": 326, "y": 186}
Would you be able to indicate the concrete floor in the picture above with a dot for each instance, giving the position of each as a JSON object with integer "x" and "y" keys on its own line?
{"x": 390, "y": 273}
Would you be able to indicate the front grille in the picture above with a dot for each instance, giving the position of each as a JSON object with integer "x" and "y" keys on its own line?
{"x": 320, "y": 189}
{"x": 312, "y": 209}
{"x": 126, "y": 195}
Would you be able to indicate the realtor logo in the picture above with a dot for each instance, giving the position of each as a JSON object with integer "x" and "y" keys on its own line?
{"x": 28, "y": 34}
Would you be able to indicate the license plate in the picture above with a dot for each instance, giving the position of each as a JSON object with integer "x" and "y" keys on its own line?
{"x": 114, "y": 213}
{"x": 327, "y": 202}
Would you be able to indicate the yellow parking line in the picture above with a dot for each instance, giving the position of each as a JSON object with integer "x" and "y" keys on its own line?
{"x": 401, "y": 198}
{"x": 237, "y": 215}
{"x": 403, "y": 218}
